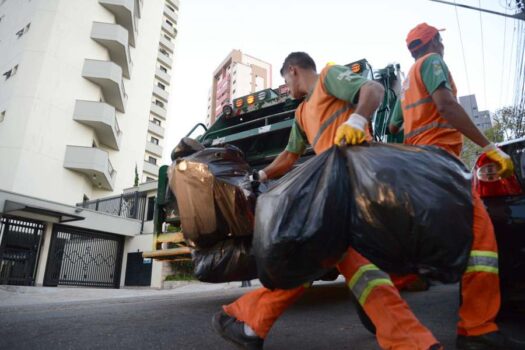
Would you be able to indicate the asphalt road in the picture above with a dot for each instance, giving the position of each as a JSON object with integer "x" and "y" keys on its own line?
{"x": 324, "y": 318}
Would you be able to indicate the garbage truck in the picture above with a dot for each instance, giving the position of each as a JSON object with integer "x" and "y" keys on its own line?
{"x": 258, "y": 124}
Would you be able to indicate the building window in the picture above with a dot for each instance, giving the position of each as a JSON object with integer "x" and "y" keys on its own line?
{"x": 159, "y": 103}
{"x": 167, "y": 37}
{"x": 2, "y": 116}
{"x": 170, "y": 7}
{"x": 154, "y": 140}
{"x": 23, "y": 30}
{"x": 152, "y": 160}
{"x": 162, "y": 86}
{"x": 164, "y": 52}
{"x": 169, "y": 23}
{"x": 156, "y": 121}
{"x": 164, "y": 69}
{"x": 11, "y": 72}
{"x": 151, "y": 204}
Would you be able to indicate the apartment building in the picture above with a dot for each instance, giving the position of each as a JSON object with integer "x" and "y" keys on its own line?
{"x": 238, "y": 75}
{"x": 480, "y": 118}
{"x": 84, "y": 87}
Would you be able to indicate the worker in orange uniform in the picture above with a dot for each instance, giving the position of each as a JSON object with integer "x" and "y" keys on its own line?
{"x": 429, "y": 111}
{"x": 337, "y": 104}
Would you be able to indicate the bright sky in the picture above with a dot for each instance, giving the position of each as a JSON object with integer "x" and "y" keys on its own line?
{"x": 334, "y": 30}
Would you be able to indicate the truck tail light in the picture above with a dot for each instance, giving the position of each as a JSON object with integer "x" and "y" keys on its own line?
{"x": 489, "y": 184}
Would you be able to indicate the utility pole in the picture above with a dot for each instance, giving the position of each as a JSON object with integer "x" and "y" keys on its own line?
{"x": 519, "y": 15}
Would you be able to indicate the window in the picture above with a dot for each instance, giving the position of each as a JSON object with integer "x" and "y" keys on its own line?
{"x": 164, "y": 52}
{"x": 167, "y": 37}
{"x": 162, "y": 86}
{"x": 156, "y": 121}
{"x": 159, "y": 103}
{"x": 11, "y": 72}
{"x": 23, "y": 30}
{"x": 164, "y": 69}
{"x": 152, "y": 160}
{"x": 169, "y": 23}
{"x": 154, "y": 140}
{"x": 170, "y": 7}
{"x": 2, "y": 116}
{"x": 149, "y": 179}
{"x": 151, "y": 204}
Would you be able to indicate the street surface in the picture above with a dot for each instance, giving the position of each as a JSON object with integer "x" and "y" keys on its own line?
{"x": 324, "y": 318}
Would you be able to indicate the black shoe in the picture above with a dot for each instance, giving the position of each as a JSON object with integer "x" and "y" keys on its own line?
{"x": 233, "y": 330}
{"x": 489, "y": 341}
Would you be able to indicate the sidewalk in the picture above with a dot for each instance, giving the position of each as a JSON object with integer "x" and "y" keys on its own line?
{"x": 13, "y": 296}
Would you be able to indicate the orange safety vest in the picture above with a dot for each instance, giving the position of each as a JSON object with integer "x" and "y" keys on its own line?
{"x": 321, "y": 114}
{"x": 422, "y": 122}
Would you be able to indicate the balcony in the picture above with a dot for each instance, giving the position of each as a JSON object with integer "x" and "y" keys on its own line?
{"x": 156, "y": 129}
{"x": 163, "y": 76}
{"x": 108, "y": 76}
{"x": 170, "y": 14}
{"x": 168, "y": 45}
{"x": 138, "y": 8}
{"x": 123, "y": 10}
{"x": 114, "y": 38}
{"x": 153, "y": 149}
{"x": 92, "y": 162}
{"x": 165, "y": 59}
{"x": 169, "y": 29}
{"x": 151, "y": 168}
{"x": 101, "y": 117}
{"x": 160, "y": 93}
{"x": 158, "y": 111}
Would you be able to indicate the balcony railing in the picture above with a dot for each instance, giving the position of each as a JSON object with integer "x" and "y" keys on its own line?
{"x": 129, "y": 205}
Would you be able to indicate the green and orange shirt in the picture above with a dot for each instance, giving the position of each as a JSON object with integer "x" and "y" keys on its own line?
{"x": 327, "y": 106}
{"x": 415, "y": 109}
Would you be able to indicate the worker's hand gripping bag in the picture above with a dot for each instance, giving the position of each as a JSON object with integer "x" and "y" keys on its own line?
{"x": 412, "y": 209}
{"x": 214, "y": 195}
{"x": 303, "y": 222}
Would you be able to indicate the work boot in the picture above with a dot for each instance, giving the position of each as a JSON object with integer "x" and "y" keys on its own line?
{"x": 489, "y": 341}
{"x": 232, "y": 330}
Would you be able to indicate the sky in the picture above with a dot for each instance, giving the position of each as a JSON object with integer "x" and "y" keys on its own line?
{"x": 341, "y": 31}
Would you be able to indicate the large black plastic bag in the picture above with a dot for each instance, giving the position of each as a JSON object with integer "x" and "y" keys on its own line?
{"x": 303, "y": 222}
{"x": 214, "y": 194}
{"x": 413, "y": 209}
{"x": 227, "y": 261}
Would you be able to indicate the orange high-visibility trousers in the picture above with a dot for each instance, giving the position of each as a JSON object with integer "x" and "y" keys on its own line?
{"x": 480, "y": 282}
{"x": 396, "y": 325}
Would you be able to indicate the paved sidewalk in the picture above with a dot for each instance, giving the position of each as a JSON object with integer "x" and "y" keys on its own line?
{"x": 13, "y": 296}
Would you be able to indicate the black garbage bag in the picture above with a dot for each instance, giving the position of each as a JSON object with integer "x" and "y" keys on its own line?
{"x": 412, "y": 209}
{"x": 303, "y": 222}
{"x": 407, "y": 209}
{"x": 227, "y": 261}
{"x": 215, "y": 196}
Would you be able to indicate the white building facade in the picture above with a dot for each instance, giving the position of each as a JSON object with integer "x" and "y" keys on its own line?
{"x": 84, "y": 87}
{"x": 480, "y": 118}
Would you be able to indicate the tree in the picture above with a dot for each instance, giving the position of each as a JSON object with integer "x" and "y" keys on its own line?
{"x": 510, "y": 122}
{"x": 136, "y": 181}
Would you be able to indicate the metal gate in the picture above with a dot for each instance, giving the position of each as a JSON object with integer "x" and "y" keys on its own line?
{"x": 79, "y": 257}
{"x": 19, "y": 247}
{"x": 138, "y": 270}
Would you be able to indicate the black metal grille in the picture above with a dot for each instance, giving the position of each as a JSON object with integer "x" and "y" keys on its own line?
{"x": 80, "y": 257}
{"x": 131, "y": 205}
{"x": 19, "y": 247}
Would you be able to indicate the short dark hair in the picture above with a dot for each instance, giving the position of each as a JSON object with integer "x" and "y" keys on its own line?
{"x": 301, "y": 59}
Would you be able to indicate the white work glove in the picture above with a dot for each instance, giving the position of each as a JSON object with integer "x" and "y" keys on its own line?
{"x": 261, "y": 176}
{"x": 352, "y": 131}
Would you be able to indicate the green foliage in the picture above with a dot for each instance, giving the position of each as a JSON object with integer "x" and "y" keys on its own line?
{"x": 183, "y": 271}
{"x": 509, "y": 122}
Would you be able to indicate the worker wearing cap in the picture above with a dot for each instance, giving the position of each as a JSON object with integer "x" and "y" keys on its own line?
{"x": 429, "y": 111}
{"x": 338, "y": 105}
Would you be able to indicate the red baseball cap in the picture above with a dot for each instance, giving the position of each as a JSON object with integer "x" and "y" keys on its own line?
{"x": 422, "y": 32}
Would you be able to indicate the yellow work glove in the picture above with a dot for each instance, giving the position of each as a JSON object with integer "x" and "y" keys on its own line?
{"x": 352, "y": 131}
{"x": 506, "y": 167}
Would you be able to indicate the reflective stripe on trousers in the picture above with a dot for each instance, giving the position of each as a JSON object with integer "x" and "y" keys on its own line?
{"x": 483, "y": 261}
{"x": 366, "y": 278}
